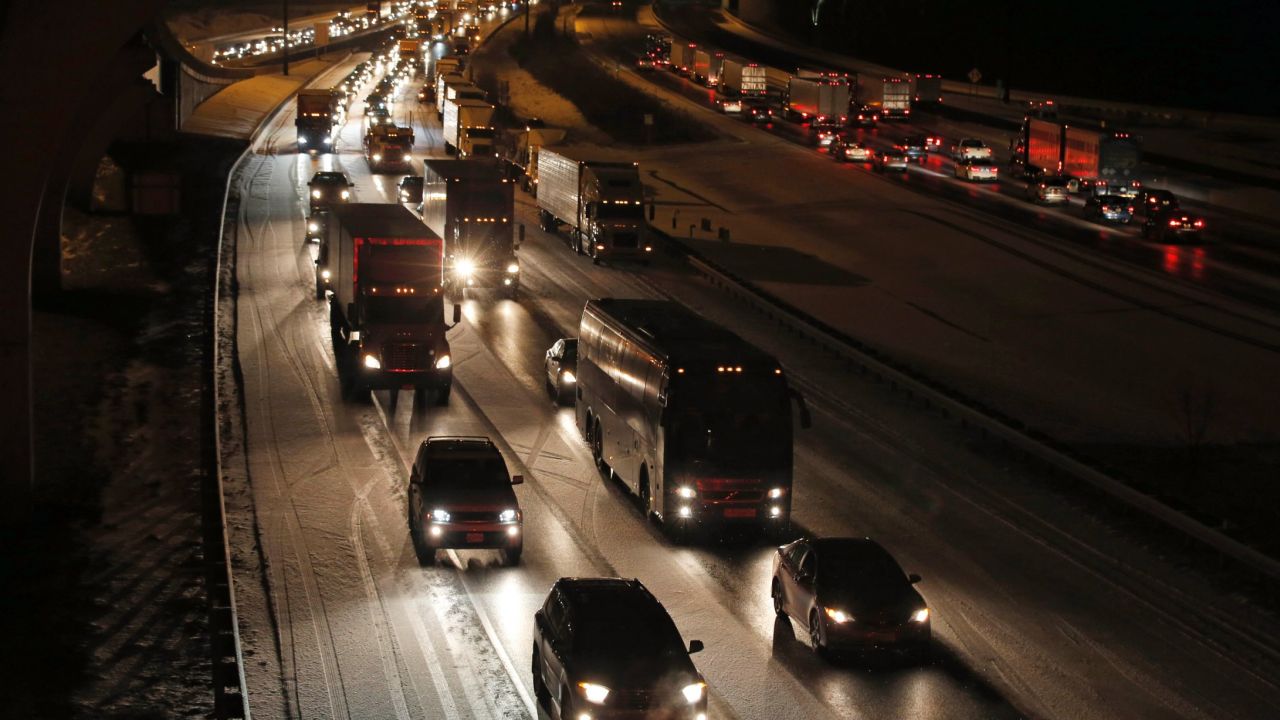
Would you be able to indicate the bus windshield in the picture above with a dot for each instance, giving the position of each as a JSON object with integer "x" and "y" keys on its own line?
{"x": 731, "y": 423}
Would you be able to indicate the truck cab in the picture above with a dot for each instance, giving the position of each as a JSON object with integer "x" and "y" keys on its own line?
{"x": 613, "y": 200}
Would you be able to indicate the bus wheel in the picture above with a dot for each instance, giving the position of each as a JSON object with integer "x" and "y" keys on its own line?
{"x": 597, "y": 448}
{"x": 646, "y": 497}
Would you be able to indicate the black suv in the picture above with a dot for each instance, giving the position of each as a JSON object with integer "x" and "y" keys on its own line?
{"x": 605, "y": 647}
{"x": 329, "y": 188}
{"x": 460, "y": 496}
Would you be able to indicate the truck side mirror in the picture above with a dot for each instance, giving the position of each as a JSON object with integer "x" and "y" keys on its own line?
{"x": 457, "y": 314}
{"x": 695, "y": 646}
{"x": 517, "y": 479}
{"x": 520, "y": 237}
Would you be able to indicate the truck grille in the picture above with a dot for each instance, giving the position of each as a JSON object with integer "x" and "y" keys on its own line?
{"x": 626, "y": 240}
{"x": 393, "y": 154}
{"x": 405, "y": 357}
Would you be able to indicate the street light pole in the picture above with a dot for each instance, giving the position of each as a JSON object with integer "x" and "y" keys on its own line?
{"x": 284, "y": 49}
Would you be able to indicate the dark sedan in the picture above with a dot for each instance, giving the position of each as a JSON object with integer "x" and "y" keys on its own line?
{"x": 849, "y": 594}
{"x": 1111, "y": 208}
{"x": 410, "y": 189}
{"x": 1173, "y": 226}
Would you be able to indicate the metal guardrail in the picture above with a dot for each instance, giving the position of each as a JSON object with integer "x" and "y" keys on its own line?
{"x": 973, "y": 414}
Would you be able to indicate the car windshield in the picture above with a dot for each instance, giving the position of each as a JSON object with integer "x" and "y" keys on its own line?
{"x": 733, "y": 423}
{"x": 859, "y": 564}
{"x": 470, "y": 472}
{"x": 619, "y": 211}
{"x": 328, "y": 178}
{"x": 635, "y": 631}
{"x": 971, "y": 143}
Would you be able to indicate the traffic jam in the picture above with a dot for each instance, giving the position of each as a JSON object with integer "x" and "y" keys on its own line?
{"x": 1083, "y": 169}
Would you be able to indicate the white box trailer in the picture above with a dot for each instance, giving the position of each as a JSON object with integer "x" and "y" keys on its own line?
{"x": 601, "y": 202}
{"x": 682, "y": 54}
{"x": 468, "y": 127}
{"x": 740, "y": 77}
{"x": 818, "y": 96}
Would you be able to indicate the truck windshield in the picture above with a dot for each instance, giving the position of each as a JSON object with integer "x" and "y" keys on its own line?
{"x": 735, "y": 423}
{"x": 612, "y": 211}
{"x": 403, "y": 310}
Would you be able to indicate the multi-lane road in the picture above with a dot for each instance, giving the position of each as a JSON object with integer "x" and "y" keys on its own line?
{"x": 1040, "y": 609}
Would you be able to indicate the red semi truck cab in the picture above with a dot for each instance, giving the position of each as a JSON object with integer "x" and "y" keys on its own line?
{"x": 387, "y": 303}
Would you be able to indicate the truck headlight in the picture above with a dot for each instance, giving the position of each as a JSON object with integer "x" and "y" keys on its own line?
{"x": 346, "y": 194}
{"x": 372, "y": 362}
{"x": 315, "y": 194}
{"x": 594, "y": 693}
{"x": 777, "y": 492}
{"x": 443, "y": 363}
{"x": 513, "y": 268}
{"x": 507, "y": 516}
{"x": 466, "y": 268}
{"x": 439, "y": 515}
{"x": 693, "y": 692}
{"x": 686, "y": 492}
{"x": 920, "y": 615}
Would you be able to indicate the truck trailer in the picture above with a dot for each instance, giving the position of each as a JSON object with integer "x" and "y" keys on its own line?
{"x": 682, "y": 55}
{"x": 818, "y": 96}
{"x": 891, "y": 96}
{"x": 707, "y": 63}
{"x": 386, "y": 309}
{"x": 468, "y": 127}
{"x": 740, "y": 77}
{"x": 471, "y": 204}
{"x": 524, "y": 146}
{"x": 318, "y": 111}
{"x": 1089, "y": 155}
{"x": 601, "y": 202}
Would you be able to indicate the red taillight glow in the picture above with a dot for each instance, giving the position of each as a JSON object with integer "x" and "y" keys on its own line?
{"x": 1175, "y": 223}
{"x": 1199, "y": 223}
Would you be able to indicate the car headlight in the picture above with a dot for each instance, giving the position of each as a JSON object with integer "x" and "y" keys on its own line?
{"x": 840, "y": 617}
{"x": 372, "y": 362}
{"x": 777, "y": 492}
{"x": 693, "y": 692}
{"x": 513, "y": 268}
{"x": 346, "y": 194}
{"x": 440, "y": 515}
{"x": 302, "y": 140}
{"x": 920, "y": 615}
{"x": 507, "y": 516}
{"x": 328, "y": 140}
{"x": 594, "y": 693}
{"x": 315, "y": 194}
{"x": 686, "y": 492}
{"x": 313, "y": 227}
{"x": 408, "y": 158}
{"x": 443, "y": 363}
{"x": 568, "y": 376}
{"x": 377, "y": 157}
{"x": 326, "y": 274}
{"x": 466, "y": 268}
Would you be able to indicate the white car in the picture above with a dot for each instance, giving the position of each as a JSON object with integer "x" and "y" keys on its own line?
{"x": 852, "y": 151}
{"x": 977, "y": 169}
{"x": 970, "y": 148}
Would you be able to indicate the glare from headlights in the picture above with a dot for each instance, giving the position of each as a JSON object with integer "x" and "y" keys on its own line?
{"x": 439, "y": 515}
{"x": 466, "y": 268}
{"x": 372, "y": 362}
{"x": 686, "y": 492}
{"x": 443, "y": 363}
{"x": 921, "y": 615}
{"x": 693, "y": 693}
{"x": 346, "y": 194}
{"x": 315, "y": 194}
{"x": 513, "y": 268}
{"x": 507, "y": 516}
{"x": 594, "y": 693}
{"x": 568, "y": 377}
{"x": 839, "y": 616}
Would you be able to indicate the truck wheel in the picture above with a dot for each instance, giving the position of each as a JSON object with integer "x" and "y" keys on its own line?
{"x": 442, "y": 394}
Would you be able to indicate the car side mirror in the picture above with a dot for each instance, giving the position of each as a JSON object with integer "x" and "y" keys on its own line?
{"x": 913, "y": 578}
{"x": 517, "y": 479}
{"x": 695, "y": 646}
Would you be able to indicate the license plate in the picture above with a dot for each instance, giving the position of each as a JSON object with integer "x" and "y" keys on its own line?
{"x": 740, "y": 512}
{"x": 475, "y": 537}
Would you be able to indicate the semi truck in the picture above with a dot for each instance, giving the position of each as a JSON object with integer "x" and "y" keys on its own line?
{"x": 693, "y": 419}
{"x": 468, "y": 127}
{"x": 818, "y": 96}
{"x": 445, "y": 66}
{"x": 1088, "y": 155}
{"x": 386, "y": 310}
{"x": 928, "y": 89}
{"x": 455, "y": 87}
{"x": 890, "y": 96}
{"x": 388, "y": 148}
{"x": 601, "y": 202}
{"x": 523, "y": 155}
{"x": 706, "y": 66}
{"x": 740, "y": 77}
{"x": 471, "y": 204}
{"x": 317, "y": 114}
{"x": 682, "y": 54}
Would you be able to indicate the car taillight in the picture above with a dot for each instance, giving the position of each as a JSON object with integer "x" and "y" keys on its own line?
{"x": 1199, "y": 223}
{"x": 1175, "y": 223}
{"x": 1131, "y": 210}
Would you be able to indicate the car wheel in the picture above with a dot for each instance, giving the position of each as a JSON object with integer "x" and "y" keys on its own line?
{"x": 776, "y": 593}
{"x": 815, "y": 634}
{"x": 540, "y": 692}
